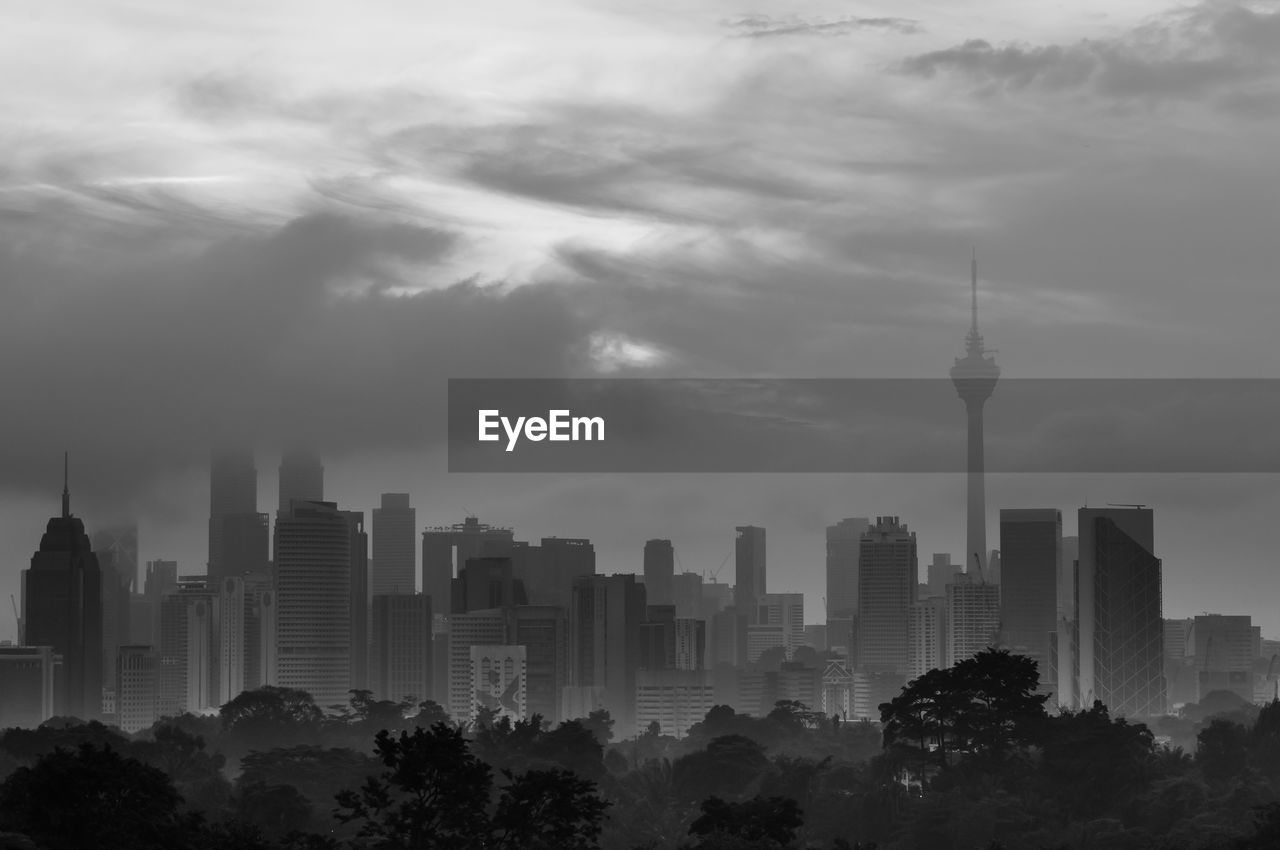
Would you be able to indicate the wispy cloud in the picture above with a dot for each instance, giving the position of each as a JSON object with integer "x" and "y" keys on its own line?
{"x": 769, "y": 26}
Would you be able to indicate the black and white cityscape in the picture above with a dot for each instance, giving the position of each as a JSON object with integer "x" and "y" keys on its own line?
{"x": 262, "y": 597}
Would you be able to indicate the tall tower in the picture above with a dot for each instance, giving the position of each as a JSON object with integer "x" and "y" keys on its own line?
{"x": 974, "y": 377}
{"x": 63, "y": 608}
{"x": 395, "y": 555}
{"x": 301, "y": 478}
{"x": 749, "y": 570}
{"x": 659, "y": 570}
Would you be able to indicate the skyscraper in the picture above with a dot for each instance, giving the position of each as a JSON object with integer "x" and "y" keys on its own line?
{"x": 401, "y": 666}
{"x": 187, "y": 646}
{"x": 137, "y": 684}
{"x": 238, "y": 535}
{"x": 62, "y": 594}
{"x": 1120, "y": 629}
{"x": 474, "y": 628}
{"x": 498, "y": 681}
{"x": 973, "y": 617}
{"x": 359, "y": 599}
{"x": 27, "y": 675}
{"x": 659, "y": 571}
{"x": 887, "y": 573}
{"x": 844, "y": 540}
{"x": 445, "y": 547}
{"x": 301, "y": 478}
{"x": 548, "y": 569}
{"x": 785, "y": 610}
{"x": 543, "y": 630}
{"x": 1224, "y": 651}
{"x": 749, "y": 569}
{"x": 487, "y": 582}
{"x": 117, "y": 550}
{"x": 313, "y": 601}
{"x": 974, "y": 377}
{"x": 941, "y": 573}
{"x": 605, "y": 642}
{"x": 245, "y": 547}
{"x": 928, "y": 628}
{"x": 1030, "y": 554}
{"x": 394, "y": 528}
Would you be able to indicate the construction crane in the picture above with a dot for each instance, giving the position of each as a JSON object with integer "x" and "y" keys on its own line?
{"x": 1123, "y": 505}
{"x": 17, "y": 619}
{"x": 715, "y": 575}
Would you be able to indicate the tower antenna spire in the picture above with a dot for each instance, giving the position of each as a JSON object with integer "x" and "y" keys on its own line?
{"x": 66, "y": 491}
{"x": 973, "y": 272}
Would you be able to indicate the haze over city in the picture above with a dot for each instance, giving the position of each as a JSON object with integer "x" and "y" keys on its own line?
{"x": 271, "y": 225}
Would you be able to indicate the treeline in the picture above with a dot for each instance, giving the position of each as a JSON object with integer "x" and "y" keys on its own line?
{"x": 964, "y": 759}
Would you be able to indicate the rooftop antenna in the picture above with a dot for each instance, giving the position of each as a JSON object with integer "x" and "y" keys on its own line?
{"x": 66, "y": 492}
{"x": 973, "y": 270}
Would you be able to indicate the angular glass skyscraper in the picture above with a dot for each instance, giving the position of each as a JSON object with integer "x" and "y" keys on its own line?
{"x": 1120, "y": 627}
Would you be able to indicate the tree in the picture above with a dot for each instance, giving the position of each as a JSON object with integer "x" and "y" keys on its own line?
{"x": 1222, "y": 750}
{"x": 93, "y": 797}
{"x": 985, "y": 705}
{"x": 574, "y": 747}
{"x": 548, "y": 810}
{"x": 277, "y": 810}
{"x": 429, "y": 714}
{"x": 600, "y": 724}
{"x": 433, "y": 793}
{"x": 1092, "y": 764}
{"x": 726, "y": 768}
{"x": 771, "y": 820}
{"x": 270, "y": 717}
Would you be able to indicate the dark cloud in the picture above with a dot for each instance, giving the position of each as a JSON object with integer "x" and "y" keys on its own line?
{"x": 768, "y": 26}
{"x": 138, "y": 365}
{"x": 1209, "y": 49}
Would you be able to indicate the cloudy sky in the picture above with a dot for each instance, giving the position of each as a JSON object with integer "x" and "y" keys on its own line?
{"x": 286, "y": 221}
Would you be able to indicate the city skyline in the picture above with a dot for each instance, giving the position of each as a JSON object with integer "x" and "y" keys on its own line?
{"x": 734, "y": 195}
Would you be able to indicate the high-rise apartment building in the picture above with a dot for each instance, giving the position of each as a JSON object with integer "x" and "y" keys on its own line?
{"x": 474, "y": 628}
{"x": 973, "y": 617}
{"x": 498, "y": 681}
{"x": 786, "y": 611}
{"x": 928, "y": 629}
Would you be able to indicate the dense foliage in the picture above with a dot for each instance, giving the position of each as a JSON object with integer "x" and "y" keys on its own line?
{"x": 963, "y": 758}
